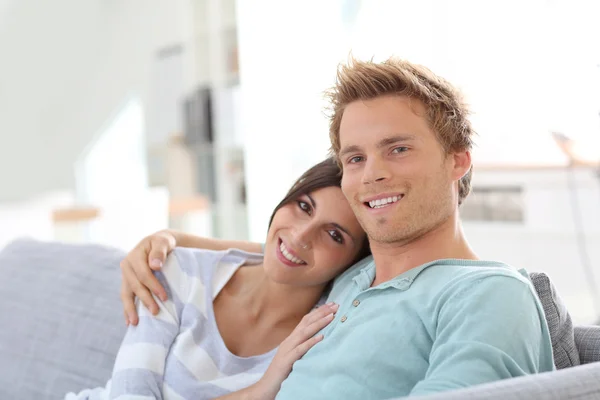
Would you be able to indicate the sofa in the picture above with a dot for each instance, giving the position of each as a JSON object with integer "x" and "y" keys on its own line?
{"x": 61, "y": 326}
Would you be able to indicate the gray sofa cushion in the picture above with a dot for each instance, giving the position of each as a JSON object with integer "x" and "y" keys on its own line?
{"x": 580, "y": 383}
{"x": 61, "y": 318}
{"x": 559, "y": 322}
{"x": 587, "y": 339}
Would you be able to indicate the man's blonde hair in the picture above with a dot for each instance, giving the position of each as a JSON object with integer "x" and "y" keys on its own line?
{"x": 445, "y": 108}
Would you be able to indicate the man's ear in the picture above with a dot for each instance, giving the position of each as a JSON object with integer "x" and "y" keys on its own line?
{"x": 462, "y": 164}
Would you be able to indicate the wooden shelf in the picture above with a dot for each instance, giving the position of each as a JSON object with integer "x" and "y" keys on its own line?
{"x": 177, "y": 207}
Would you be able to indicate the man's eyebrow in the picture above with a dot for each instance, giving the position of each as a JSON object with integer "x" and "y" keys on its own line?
{"x": 382, "y": 143}
{"x": 395, "y": 139}
{"x": 349, "y": 149}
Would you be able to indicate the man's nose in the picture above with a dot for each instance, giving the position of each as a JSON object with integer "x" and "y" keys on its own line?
{"x": 375, "y": 171}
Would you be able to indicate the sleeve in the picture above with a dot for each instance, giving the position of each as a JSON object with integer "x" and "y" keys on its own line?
{"x": 140, "y": 363}
{"x": 488, "y": 329}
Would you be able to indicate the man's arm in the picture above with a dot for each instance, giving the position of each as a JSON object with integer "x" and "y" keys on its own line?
{"x": 488, "y": 328}
{"x": 198, "y": 242}
{"x": 140, "y": 363}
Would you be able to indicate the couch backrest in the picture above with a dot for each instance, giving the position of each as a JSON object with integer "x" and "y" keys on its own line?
{"x": 60, "y": 317}
{"x": 559, "y": 322}
{"x": 587, "y": 339}
{"x": 62, "y": 325}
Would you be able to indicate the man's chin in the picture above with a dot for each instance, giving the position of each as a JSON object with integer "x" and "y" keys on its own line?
{"x": 374, "y": 222}
{"x": 379, "y": 231}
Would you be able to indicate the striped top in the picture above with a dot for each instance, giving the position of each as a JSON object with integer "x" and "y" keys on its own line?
{"x": 180, "y": 354}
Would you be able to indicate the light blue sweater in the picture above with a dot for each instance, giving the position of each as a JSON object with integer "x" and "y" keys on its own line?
{"x": 444, "y": 325}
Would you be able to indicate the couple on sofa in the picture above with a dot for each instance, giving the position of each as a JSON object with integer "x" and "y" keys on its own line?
{"x": 422, "y": 314}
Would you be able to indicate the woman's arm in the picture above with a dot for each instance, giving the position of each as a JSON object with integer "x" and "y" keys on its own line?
{"x": 150, "y": 254}
{"x": 140, "y": 363}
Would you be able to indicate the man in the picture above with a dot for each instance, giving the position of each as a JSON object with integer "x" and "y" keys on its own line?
{"x": 423, "y": 314}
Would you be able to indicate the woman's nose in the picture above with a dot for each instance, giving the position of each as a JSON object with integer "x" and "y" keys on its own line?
{"x": 301, "y": 237}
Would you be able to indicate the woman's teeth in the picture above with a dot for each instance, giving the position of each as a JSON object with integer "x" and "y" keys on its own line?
{"x": 288, "y": 256}
{"x": 383, "y": 202}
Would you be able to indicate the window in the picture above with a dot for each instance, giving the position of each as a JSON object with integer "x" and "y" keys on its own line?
{"x": 494, "y": 203}
{"x": 114, "y": 166}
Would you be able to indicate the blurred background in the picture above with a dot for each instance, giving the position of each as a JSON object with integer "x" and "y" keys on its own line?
{"x": 122, "y": 117}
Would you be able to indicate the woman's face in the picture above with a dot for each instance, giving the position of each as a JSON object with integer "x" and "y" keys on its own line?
{"x": 313, "y": 239}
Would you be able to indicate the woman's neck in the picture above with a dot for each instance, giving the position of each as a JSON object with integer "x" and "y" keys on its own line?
{"x": 271, "y": 302}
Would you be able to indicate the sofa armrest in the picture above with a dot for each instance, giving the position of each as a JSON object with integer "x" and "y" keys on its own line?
{"x": 581, "y": 383}
{"x": 587, "y": 340}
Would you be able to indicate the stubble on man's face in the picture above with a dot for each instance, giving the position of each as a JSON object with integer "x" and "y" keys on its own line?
{"x": 394, "y": 153}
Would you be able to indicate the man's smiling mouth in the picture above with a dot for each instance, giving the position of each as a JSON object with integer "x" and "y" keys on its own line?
{"x": 383, "y": 201}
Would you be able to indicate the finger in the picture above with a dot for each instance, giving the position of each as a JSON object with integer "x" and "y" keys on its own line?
{"x": 310, "y": 330}
{"x": 300, "y": 350}
{"x": 147, "y": 279}
{"x": 305, "y": 331}
{"x": 140, "y": 291}
{"x": 158, "y": 253}
{"x": 122, "y": 297}
{"x": 127, "y": 298}
{"x": 145, "y": 276}
{"x": 318, "y": 313}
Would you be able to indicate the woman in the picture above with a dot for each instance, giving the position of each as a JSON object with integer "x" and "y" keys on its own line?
{"x": 223, "y": 331}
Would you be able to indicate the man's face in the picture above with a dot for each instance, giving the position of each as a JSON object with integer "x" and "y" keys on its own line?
{"x": 399, "y": 181}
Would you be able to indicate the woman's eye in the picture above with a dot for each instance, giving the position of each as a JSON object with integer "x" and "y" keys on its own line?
{"x": 399, "y": 150}
{"x": 335, "y": 235}
{"x": 304, "y": 206}
{"x": 355, "y": 159}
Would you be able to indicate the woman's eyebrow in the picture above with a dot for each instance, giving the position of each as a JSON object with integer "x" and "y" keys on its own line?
{"x": 312, "y": 201}
{"x": 341, "y": 228}
{"x": 336, "y": 225}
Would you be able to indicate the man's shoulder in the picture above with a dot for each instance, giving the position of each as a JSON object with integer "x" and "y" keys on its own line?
{"x": 353, "y": 270}
{"x": 469, "y": 272}
{"x": 476, "y": 278}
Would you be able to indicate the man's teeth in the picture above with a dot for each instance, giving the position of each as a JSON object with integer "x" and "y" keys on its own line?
{"x": 383, "y": 202}
{"x": 287, "y": 255}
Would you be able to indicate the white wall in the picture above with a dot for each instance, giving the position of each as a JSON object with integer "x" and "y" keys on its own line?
{"x": 67, "y": 65}
{"x": 526, "y": 67}
{"x": 286, "y": 63}
{"x": 547, "y": 240}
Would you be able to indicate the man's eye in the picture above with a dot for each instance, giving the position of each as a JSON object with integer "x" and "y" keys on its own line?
{"x": 304, "y": 206}
{"x": 399, "y": 150}
{"x": 355, "y": 159}
{"x": 335, "y": 235}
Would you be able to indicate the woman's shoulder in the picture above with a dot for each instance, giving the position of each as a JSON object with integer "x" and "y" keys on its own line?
{"x": 229, "y": 255}
{"x": 199, "y": 262}
{"x": 184, "y": 255}
{"x": 241, "y": 256}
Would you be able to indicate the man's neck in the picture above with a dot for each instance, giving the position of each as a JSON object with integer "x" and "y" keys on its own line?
{"x": 444, "y": 241}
